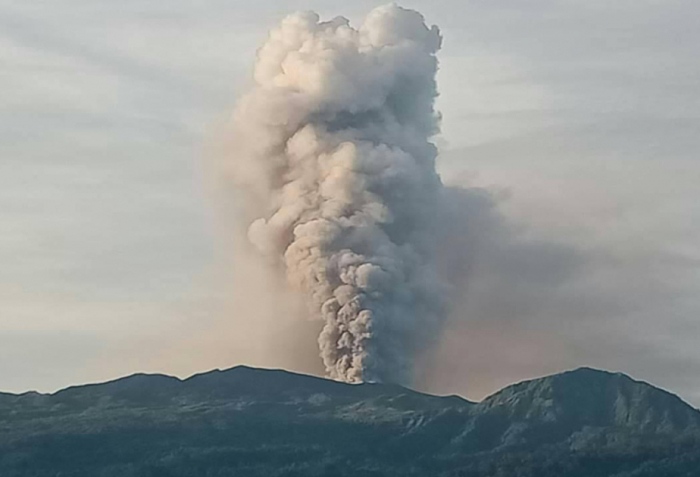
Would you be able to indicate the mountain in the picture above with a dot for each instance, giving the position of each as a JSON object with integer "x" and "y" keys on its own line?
{"x": 578, "y": 405}
{"x": 255, "y": 422}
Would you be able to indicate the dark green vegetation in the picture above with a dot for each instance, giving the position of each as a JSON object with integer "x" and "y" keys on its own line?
{"x": 252, "y": 422}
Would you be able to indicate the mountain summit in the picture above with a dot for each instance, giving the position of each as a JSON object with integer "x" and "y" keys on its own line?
{"x": 257, "y": 422}
{"x": 590, "y": 397}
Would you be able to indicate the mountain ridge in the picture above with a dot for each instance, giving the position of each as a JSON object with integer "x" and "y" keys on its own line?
{"x": 174, "y": 380}
{"x": 299, "y": 374}
{"x": 271, "y": 422}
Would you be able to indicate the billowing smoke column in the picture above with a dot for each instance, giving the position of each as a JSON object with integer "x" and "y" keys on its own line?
{"x": 333, "y": 143}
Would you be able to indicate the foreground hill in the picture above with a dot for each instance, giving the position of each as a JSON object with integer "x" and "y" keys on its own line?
{"x": 255, "y": 422}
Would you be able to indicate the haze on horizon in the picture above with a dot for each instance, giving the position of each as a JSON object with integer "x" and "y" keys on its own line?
{"x": 577, "y": 122}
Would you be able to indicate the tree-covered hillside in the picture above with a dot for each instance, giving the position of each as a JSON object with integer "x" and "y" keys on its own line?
{"x": 254, "y": 422}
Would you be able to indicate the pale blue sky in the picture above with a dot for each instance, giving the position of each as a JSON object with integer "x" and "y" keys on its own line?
{"x": 580, "y": 116}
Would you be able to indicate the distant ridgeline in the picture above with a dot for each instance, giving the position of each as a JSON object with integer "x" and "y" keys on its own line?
{"x": 255, "y": 422}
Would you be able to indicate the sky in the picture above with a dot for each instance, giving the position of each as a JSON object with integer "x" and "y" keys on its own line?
{"x": 577, "y": 121}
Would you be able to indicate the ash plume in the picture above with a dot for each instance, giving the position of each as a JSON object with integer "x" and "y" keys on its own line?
{"x": 333, "y": 147}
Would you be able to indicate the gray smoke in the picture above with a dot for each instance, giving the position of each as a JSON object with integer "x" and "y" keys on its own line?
{"x": 333, "y": 146}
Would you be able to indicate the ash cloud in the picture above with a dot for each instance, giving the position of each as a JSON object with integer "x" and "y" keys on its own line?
{"x": 333, "y": 149}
